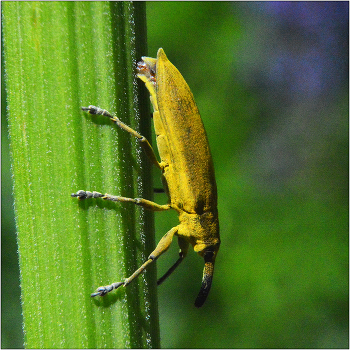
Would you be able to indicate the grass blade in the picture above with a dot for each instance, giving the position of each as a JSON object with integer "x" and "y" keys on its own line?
{"x": 60, "y": 56}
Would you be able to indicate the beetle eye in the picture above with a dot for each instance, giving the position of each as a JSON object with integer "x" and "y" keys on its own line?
{"x": 208, "y": 255}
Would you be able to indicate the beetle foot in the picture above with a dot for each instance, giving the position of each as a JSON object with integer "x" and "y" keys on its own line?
{"x": 93, "y": 110}
{"x": 87, "y": 194}
{"x": 101, "y": 291}
{"x": 97, "y": 111}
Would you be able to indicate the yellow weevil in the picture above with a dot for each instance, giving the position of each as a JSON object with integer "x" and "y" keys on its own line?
{"x": 186, "y": 166}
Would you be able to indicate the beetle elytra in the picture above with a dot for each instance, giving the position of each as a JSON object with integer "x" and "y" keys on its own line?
{"x": 186, "y": 166}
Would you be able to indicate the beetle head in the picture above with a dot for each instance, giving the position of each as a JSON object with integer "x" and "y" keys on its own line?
{"x": 209, "y": 255}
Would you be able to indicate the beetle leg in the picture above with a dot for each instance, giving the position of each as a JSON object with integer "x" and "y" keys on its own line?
{"x": 158, "y": 190}
{"x": 137, "y": 201}
{"x": 183, "y": 244}
{"x": 143, "y": 141}
{"x": 162, "y": 247}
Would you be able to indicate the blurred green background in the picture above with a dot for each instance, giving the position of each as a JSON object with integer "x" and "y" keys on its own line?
{"x": 271, "y": 82}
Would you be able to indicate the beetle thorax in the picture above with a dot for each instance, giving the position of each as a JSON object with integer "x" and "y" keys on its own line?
{"x": 202, "y": 231}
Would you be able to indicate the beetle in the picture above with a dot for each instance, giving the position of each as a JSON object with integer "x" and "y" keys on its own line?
{"x": 186, "y": 166}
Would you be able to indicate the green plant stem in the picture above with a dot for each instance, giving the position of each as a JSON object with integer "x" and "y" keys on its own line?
{"x": 60, "y": 56}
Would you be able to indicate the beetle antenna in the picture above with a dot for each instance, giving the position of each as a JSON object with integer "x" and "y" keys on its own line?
{"x": 206, "y": 280}
{"x": 171, "y": 270}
